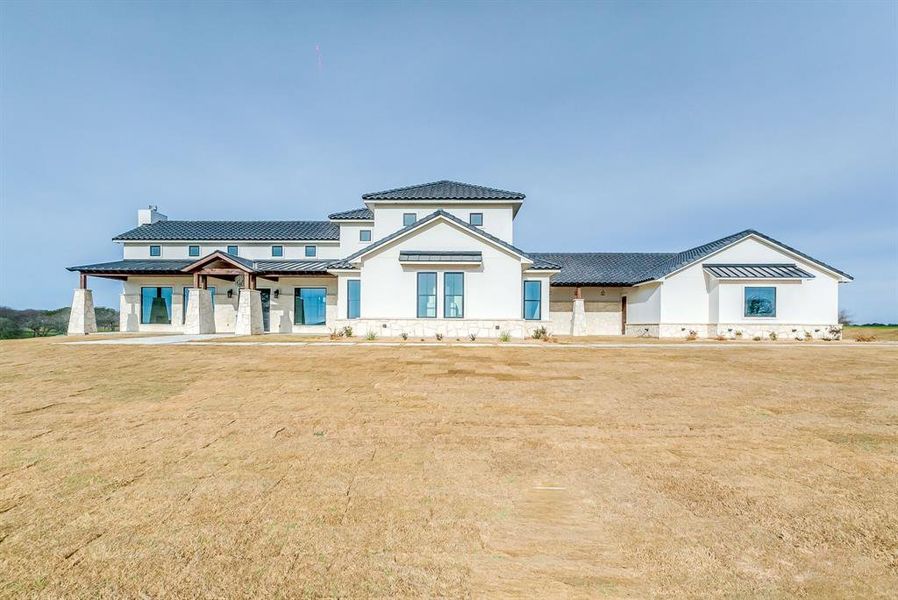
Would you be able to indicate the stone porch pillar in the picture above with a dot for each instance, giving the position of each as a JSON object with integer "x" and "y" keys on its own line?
{"x": 128, "y": 319}
{"x": 249, "y": 313}
{"x": 82, "y": 319}
{"x": 200, "y": 317}
{"x": 578, "y": 315}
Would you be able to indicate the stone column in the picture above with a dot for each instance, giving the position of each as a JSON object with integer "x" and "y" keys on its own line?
{"x": 200, "y": 317}
{"x": 249, "y": 313}
{"x": 578, "y": 317}
{"x": 82, "y": 319}
{"x": 128, "y": 319}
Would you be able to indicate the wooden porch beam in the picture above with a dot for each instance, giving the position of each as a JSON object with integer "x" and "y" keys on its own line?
{"x": 82, "y": 280}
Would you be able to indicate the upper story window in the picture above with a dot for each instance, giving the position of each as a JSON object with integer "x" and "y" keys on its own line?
{"x": 476, "y": 219}
{"x": 155, "y": 250}
{"x": 311, "y": 251}
{"x": 533, "y": 293}
{"x": 193, "y": 250}
{"x": 409, "y": 219}
{"x": 760, "y": 302}
{"x": 232, "y": 250}
{"x": 277, "y": 250}
{"x": 364, "y": 235}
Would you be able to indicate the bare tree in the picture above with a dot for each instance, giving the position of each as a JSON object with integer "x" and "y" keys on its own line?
{"x": 844, "y": 317}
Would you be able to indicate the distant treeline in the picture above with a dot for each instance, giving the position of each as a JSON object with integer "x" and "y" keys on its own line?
{"x": 32, "y": 322}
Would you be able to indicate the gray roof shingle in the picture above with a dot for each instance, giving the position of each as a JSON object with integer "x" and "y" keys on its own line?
{"x": 444, "y": 190}
{"x": 356, "y": 214}
{"x": 150, "y": 266}
{"x": 233, "y": 231}
{"x": 603, "y": 268}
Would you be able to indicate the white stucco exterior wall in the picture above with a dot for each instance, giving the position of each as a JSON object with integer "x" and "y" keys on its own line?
{"x": 253, "y": 250}
{"x": 497, "y": 218}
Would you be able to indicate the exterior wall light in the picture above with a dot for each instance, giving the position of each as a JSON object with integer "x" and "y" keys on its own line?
{"x": 230, "y": 293}
{"x": 277, "y": 293}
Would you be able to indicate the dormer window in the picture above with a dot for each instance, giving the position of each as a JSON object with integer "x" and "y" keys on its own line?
{"x": 193, "y": 250}
{"x": 311, "y": 251}
{"x": 155, "y": 250}
{"x": 476, "y": 219}
{"x": 232, "y": 250}
{"x": 364, "y": 235}
{"x": 409, "y": 219}
{"x": 277, "y": 250}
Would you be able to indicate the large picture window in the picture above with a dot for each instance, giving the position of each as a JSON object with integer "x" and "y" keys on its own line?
{"x": 309, "y": 306}
{"x": 186, "y": 296}
{"x": 453, "y": 295}
{"x": 427, "y": 295}
{"x": 155, "y": 305}
{"x": 760, "y": 301}
{"x": 533, "y": 292}
{"x": 353, "y": 298}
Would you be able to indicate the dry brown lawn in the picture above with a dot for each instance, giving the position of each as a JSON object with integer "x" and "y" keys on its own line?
{"x": 322, "y": 471}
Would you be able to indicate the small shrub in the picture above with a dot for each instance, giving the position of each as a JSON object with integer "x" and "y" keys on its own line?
{"x": 472, "y": 336}
{"x": 721, "y": 338}
{"x": 403, "y": 335}
{"x": 808, "y": 336}
{"x": 739, "y": 333}
{"x": 692, "y": 335}
{"x": 772, "y": 335}
{"x": 757, "y": 338}
{"x": 370, "y": 336}
{"x": 540, "y": 333}
{"x": 336, "y": 334}
{"x": 347, "y": 331}
{"x": 504, "y": 336}
{"x": 439, "y": 337}
{"x": 864, "y": 338}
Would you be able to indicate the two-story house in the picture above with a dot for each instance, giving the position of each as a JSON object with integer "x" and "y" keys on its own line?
{"x": 441, "y": 258}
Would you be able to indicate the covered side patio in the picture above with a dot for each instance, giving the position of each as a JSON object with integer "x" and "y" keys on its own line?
{"x": 218, "y": 293}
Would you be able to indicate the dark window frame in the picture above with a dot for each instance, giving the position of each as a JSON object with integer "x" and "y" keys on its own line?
{"x": 155, "y": 250}
{"x": 405, "y": 216}
{"x": 350, "y": 301}
{"x": 297, "y": 294}
{"x": 745, "y": 312}
{"x": 471, "y": 219}
{"x": 364, "y": 235}
{"x": 446, "y": 295}
{"x": 159, "y": 293}
{"x": 193, "y": 250}
{"x": 236, "y": 251}
{"x": 418, "y": 295}
{"x": 277, "y": 251}
{"x": 539, "y": 300}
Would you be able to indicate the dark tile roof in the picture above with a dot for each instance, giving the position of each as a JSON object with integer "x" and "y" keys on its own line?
{"x": 757, "y": 271}
{"x": 356, "y": 214}
{"x": 629, "y": 268}
{"x": 603, "y": 268}
{"x": 292, "y": 266}
{"x": 444, "y": 190}
{"x": 234, "y": 230}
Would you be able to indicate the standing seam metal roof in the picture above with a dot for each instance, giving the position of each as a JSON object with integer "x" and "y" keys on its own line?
{"x": 444, "y": 190}
{"x": 234, "y": 231}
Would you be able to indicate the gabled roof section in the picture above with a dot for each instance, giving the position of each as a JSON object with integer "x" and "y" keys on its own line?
{"x": 442, "y": 214}
{"x": 602, "y": 268}
{"x": 444, "y": 190}
{"x": 688, "y": 257}
{"x": 233, "y": 231}
{"x": 356, "y": 214}
{"x": 237, "y": 261}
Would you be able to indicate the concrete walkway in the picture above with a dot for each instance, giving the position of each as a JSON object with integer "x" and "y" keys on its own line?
{"x": 206, "y": 340}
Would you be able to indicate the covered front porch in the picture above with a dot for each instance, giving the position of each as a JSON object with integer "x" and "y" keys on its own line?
{"x": 218, "y": 293}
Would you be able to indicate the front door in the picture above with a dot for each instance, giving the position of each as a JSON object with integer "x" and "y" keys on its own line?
{"x": 623, "y": 315}
{"x": 266, "y": 309}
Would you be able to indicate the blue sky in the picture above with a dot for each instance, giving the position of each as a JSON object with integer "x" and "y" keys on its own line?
{"x": 630, "y": 126}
